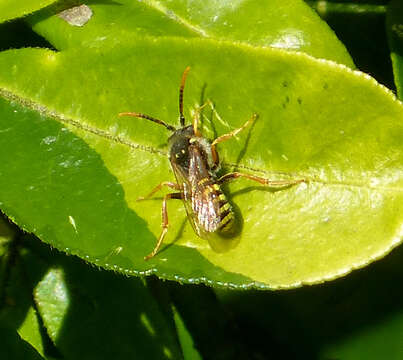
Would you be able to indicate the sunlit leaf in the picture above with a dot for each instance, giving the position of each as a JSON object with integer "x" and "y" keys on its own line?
{"x": 282, "y": 24}
{"x": 84, "y": 167}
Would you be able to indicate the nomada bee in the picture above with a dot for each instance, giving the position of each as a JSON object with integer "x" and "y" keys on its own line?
{"x": 195, "y": 163}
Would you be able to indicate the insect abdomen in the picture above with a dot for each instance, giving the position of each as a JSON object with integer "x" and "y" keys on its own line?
{"x": 214, "y": 212}
{"x": 226, "y": 217}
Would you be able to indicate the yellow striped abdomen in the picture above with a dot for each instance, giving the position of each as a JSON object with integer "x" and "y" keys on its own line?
{"x": 211, "y": 207}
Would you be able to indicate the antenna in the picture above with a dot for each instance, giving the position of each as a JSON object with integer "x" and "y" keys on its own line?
{"x": 143, "y": 116}
{"x": 184, "y": 75}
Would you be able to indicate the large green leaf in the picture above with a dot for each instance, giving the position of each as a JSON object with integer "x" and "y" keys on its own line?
{"x": 395, "y": 33}
{"x": 10, "y": 9}
{"x": 77, "y": 169}
{"x": 283, "y": 24}
{"x": 69, "y": 161}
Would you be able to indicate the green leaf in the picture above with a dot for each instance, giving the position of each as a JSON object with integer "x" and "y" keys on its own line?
{"x": 94, "y": 314}
{"x": 30, "y": 330}
{"x": 13, "y": 347}
{"x": 16, "y": 306}
{"x": 10, "y": 9}
{"x": 363, "y": 316}
{"x": 197, "y": 310}
{"x": 77, "y": 188}
{"x": 17, "y": 34}
{"x": 372, "y": 342}
{"x": 83, "y": 320}
{"x": 186, "y": 341}
{"x": 350, "y": 21}
{"x": 79, "y": 315}
{"x": 7, "y": 232}
{"x": 327, "y": 8}
{"x": 288, "y": 25}
{"x": 395, "y": 32}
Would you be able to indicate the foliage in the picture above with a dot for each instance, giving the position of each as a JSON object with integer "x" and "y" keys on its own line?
{"x": 71, "y": 171}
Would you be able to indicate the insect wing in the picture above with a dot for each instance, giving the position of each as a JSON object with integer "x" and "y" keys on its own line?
{"x": 201, "y": 194}
{"x": 187, "y": 191}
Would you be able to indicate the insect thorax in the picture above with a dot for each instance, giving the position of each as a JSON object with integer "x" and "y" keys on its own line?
{"x": 182, "y": 141}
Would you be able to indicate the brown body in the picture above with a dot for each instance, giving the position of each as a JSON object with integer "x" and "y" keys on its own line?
{"x": 195, "y": 171}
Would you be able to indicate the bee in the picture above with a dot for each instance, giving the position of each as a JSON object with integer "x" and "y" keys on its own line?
{"x": 195, "y": 163}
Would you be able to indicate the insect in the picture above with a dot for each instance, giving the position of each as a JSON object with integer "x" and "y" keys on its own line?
{"x": 195, "y": 163}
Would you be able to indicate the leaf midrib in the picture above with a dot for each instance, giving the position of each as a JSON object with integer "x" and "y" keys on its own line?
{"x": 44, "y": 110}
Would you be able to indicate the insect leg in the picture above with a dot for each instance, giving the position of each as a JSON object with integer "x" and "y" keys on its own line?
{"x": 261, "y": 180}
{"x": 158, "y": 188}
{"x": 196, "y": 117}
{"x": 234, "y": 132}
{"x": 164, "y": 224}
{"x": 228, "y": 136}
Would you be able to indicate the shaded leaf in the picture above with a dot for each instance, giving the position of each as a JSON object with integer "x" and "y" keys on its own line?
{"x": 16, "y": 309}
{"x": 94, "y": 314}
{"x": 356, "y": 317}
{"x": 395, "y": 33}
{"x": 197, "y": 310}
{"x": 13, "y": 347}
{"x": 360, "y": 27}
{"x": 13, "y": 9}
{"x": 7, "y": 232}
{"x": 18, "y": 34}
{"x": 186, "y": 341}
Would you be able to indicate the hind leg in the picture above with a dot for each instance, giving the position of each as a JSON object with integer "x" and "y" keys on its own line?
{"x": 164, "y": 223}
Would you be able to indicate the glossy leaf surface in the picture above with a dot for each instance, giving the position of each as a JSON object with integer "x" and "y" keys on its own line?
{"x": 289, "y": 25}
{"x": 85, "y": 167}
